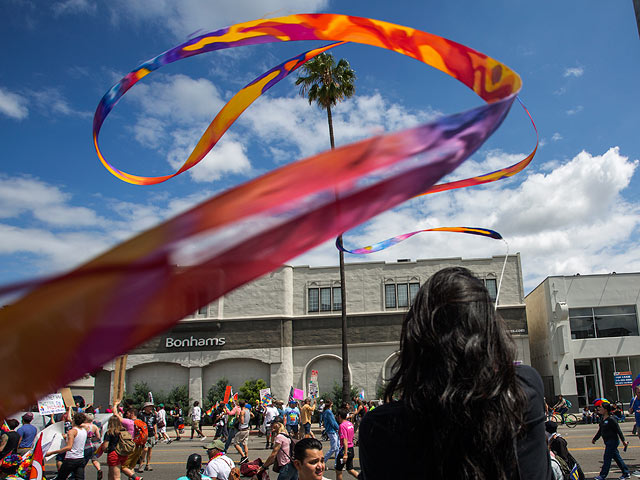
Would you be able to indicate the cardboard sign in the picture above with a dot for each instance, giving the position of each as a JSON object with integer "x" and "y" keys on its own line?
{"x": 51, "y": 404}
{"x": 118, "y": 378}
{"x": 68, "y": 397}
{"x": 313, "y": 389}
{"x": 265, "y": 396}
{"x": 227, "y": 394}
{"x": 298, "y": 394}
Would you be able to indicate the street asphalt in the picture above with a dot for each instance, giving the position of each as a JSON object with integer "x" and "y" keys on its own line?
{"x": 168, "y": 461}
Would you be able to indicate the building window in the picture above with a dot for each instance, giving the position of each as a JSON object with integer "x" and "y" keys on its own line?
{"x": 602, "y": 322}
{"x": 400, "y": 295}
{"x": 337, "y": 298}
{"x": 492, "y": 288}
{"x": 314, "y": 299}
{"x": 324, "y": 299}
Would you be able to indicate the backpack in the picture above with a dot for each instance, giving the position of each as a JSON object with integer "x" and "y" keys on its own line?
{"x": 140, "y": 432}
{"x": 569, "y": 405}
{"x": 125, "y": 445}
{"x": 566, "y": 471}
{"x": 289, "y": 454}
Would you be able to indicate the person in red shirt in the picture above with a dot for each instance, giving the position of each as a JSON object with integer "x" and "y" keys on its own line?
{"x": 346, "y": 454}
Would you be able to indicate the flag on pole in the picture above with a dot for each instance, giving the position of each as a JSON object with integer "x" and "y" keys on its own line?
{"x": 37, "y": 465}
{"x": 5, "y": 426}
{"x": 235, "y": 398}
{"x": 291, "y": 399}
{"x": 227, "y": 393}
{"x": 361, "y": 394}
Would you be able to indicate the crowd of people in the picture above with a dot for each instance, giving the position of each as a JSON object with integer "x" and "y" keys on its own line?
{"x": 456, "y": 406}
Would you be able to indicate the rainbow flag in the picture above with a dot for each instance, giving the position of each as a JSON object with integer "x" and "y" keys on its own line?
{"x": 5, "y": 426}
{"x": 210, "y": 411}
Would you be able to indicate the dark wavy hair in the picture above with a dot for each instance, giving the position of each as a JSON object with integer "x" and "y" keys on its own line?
{"x": 455, "y": 374}
{"x": 301, "y": 447}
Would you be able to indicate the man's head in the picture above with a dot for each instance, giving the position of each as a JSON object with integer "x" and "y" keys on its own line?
{"x": 292, "y": 403}
{"x": 27, "y": 417}
{"x": 79, "y": 419}
{"x": 307, "y": 401}
{"x": 242, "y": 403}
{"x": 327, "y": 404}
{"x": 551, "y": 427}
{"x": 214, "y": 448}
{"x": 196, "y": 403}
{"x": 147, "y": 407}
{"x": 13, "y": 423}
{"x": 342, "y": 415}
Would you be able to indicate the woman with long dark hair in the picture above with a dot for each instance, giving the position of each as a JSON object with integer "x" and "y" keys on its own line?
{"x": 194, "y": 465}
{"x": 456, "y": 405}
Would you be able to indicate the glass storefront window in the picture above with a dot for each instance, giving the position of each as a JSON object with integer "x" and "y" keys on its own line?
{"x": 602, "y": 322}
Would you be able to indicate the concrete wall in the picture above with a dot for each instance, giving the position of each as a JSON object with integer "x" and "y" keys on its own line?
{"x": 161, "y": 377}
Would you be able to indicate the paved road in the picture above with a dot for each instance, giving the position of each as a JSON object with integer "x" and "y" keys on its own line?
{"x": 168, "y": 461}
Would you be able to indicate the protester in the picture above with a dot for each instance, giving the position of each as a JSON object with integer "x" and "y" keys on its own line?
{"x": 331, "y": 428}
{"x": 162, "y": 424}
{"x": 10, "y": 440}
{"x": 461, "y": 400}
{"x": 149, "y": 417}
{"x": 292, "y": 418}
{"x": 27, "y": 434}
{"x": 196, "y": 416}
{"x": 194, "y": 466}
{"x": 178, "y": 421}
{"x": 115, "y": 461}
{"x": 270, "y": 413}
{"x": 610, "y": 431}
{"x": 558, "y": 446}
{"x": 219, "y": 466}
{"x": 129, "y": 423}
{"x": 220, "y": 421}
{"x": 634, "y": 407}
{"x": 346, "y": 455}
{"x": 240, "y": 440}
{"x": 93, "y": 441}
{"x": 308, "y": 459}
{"x": 280, "y": 456}
{"x": 73, "y": 462}
{"x": 232, "y": 423}
{"x": 305, "y": 417}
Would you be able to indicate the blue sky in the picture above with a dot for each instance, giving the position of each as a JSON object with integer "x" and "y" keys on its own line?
{"x": 576, "y": 209}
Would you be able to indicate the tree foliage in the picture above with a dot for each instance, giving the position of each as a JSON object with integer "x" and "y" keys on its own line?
{"x": 216, "y": 392}
{"x": 250, "y": 391}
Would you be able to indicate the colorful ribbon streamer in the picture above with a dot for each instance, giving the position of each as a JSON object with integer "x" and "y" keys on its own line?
{"x": 390, "y": 242}
{"x": 145, "y": 285}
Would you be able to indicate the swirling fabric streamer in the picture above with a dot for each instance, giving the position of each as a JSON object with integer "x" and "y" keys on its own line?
{"x": 390, "y": 242}
{"x": 145, "y": 285}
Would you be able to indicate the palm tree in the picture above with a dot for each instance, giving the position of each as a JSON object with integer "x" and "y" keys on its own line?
{"x": 326, "y": 83}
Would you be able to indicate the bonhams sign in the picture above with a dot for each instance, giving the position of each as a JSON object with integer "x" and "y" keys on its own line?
{"x": 193, "y": 342}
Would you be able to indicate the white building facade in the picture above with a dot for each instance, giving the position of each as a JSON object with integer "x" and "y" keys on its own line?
{"x": 284, "y": 325}
{"x": 583, "y": 330}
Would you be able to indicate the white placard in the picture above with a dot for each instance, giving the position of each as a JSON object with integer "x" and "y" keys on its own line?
{"x": 51, "y": 404}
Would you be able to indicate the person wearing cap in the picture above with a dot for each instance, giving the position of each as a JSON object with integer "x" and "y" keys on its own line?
{"x": 149, "y": 417}
{"x": 27, "y": 434}
{"x": 219, "y": 466}
{"x": 194, "y": 465}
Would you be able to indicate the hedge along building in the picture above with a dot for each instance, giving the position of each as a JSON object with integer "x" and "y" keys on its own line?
{"x": 284, "y": 325}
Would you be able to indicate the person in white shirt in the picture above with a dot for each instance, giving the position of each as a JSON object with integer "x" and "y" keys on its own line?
{"x": 270, "y": 413}
{"x": 162, "y": 423}
{"x": 73, "y": 450}
{"x": 196, "y": 416}
{"x": 219, "y": 466}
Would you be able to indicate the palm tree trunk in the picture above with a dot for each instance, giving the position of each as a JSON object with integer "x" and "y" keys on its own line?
{"x": 346, "y": 387}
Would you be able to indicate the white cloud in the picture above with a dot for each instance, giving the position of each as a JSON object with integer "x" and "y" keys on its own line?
{"x": 13, "y": 105}
{"x": 51, "y": 101}
{"x": 48, "y": 204}
{"x": 556, "y": 137}
{"x": 293, "y": 122}
{"x": 74, "y": 6}
{"x": 573, "y": 72}
{"x": 575, "y": 110}
{"x": 572, "y": 219}
{"x": 187, "y": 17}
